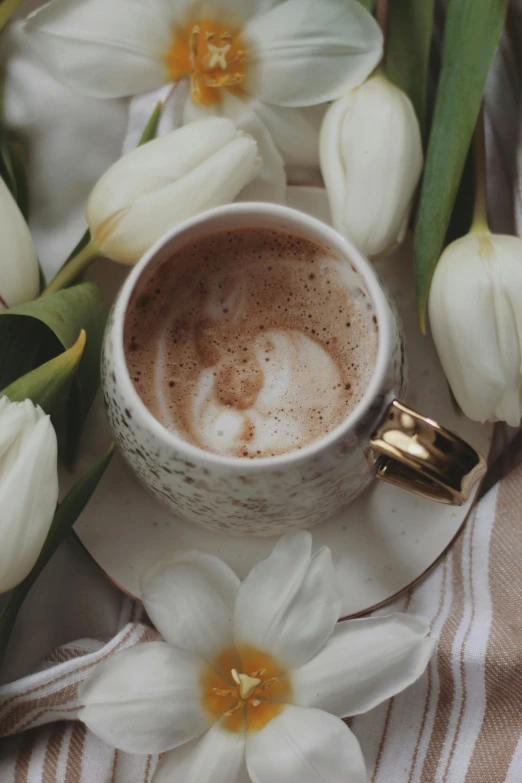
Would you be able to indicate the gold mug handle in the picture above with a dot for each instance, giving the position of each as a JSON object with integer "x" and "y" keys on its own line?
{"x": 418, "y": 454}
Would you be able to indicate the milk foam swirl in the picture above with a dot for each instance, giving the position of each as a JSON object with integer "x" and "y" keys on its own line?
{"x": 251, "y": 344}
{"x": 295, "y": 383}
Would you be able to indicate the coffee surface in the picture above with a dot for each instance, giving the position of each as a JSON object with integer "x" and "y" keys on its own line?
{"x": 251, "y": 343}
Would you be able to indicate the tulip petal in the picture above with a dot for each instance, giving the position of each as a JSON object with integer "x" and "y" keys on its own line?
{"x": 263, "y": 6}
{"x": 474, "y": 306}
{"x": 306, "y": 52}
{"x": 19, "y": 271}
{"x": 216, "y": 757}
{"x": 295, "y": 132}
{"x": 371, "y": 160}
{"x": 270, "y": 183}
{"x": 153, "y": 166}
{"x": 28, "y": 488}
{"x": 304, "y": 746}
{"x": 191, "y": 601}
{"x": 364, "y": 663}
{"x": 146, "y": 699}
{"x": 288, "y": 605}
{"x": 284, "y": 125}
{"x": 233, "y": 12}
{"x": 105, "y": 49}
{"x": 12, "y": 418}
{"x": 214, "y": 181}
{"x": 331, "y": 152}
{"x": 509, "y": 319}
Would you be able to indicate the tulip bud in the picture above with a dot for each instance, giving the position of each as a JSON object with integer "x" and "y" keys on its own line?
{"x": 371, "y": 161}
{"x": 28, "y": 487}
{"x": 154, "y": 187}
{"x": 476, "y": 319}
{"x": 19, "y": 270}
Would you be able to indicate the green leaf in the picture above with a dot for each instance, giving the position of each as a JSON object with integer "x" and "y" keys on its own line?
{"x": 7, "y": 9}
{"x": 65, "y": 516}
{"x": 368, "y": 4}
{"x": 45, "y": 384}
{"x": 410, "y": 27}
{"x": 471, "y": 36}
{"x": 151, "y": 128}
{"x": 36, "y": 332}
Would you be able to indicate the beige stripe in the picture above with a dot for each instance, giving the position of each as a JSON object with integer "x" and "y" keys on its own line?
{"x": 48, "y": 703}
{"x": 149, "y": 635}
{"x": 56, "y": 656}
{"x": 56, "y": 700}
{"x": 19, "y": 711}
{"x": 382, "y": 741}
{"x": 63, "y": 654}
{"x": 462, "y": 650}
{"x": 429, "y": 688}
{"x": 52, "y": 753}
{"x": 409, "y": 596}
{"x": 51, "y": 683}
{"x": 444, "y": 654}
{"x": 23, "y": 761}
{"x": 502, "y": 724}
{"x": 115, "y": 766}
{"x": 148, "y": 770}
{"x": 73, "y": 770}
{"x": 389, "y": 709}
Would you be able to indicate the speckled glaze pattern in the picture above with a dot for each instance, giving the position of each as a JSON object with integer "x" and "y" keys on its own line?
{"x": 269, "y": 496}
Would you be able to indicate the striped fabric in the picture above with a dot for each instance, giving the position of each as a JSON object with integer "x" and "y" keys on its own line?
{"x": 461, "y": 723}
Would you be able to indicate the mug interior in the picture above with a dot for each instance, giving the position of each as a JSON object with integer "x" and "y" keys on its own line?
{"x": 257, "y": 215}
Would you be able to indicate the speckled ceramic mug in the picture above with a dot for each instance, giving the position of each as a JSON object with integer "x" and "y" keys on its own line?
{"x": 268, "y": 496}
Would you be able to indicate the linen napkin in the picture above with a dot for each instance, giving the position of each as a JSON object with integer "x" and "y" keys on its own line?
{"x": 462, "y": 721}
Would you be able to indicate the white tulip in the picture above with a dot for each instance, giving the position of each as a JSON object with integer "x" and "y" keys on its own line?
{"x": 371, "y": 161}
{"x": 253, "y": 678}
{"x": 28, "y": 487}
{"x": 19, "y": 270}
{"x": 156, "y": 186}
{"x": 475, "y": 310}
{"x": 263, "y": 61}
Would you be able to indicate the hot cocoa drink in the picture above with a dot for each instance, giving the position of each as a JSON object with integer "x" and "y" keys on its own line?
{"x": 251, "y": 343}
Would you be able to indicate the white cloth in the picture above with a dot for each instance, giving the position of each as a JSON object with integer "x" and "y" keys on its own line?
{"x": 460, "y": 723}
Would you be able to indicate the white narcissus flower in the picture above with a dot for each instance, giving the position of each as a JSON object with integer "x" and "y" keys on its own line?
{"x": 154, "y": 187}
{"x": 28, "y": 487}
{"x": 252, "y": 60}
{"x": 253, "y": 678}
{"x": 19, "y": 270}
{"x": 371, "y": 161}
{"x": 476, "y": 319}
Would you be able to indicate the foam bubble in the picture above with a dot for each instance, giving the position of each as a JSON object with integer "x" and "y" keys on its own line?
{"x": 251, "y": 343}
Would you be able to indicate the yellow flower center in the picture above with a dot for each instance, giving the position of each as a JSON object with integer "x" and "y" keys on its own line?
{"x": 246, "y": 688}
{"x": 212, "y": 53}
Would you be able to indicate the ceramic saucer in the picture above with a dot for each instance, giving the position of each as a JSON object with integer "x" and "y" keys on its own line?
{"x": 381, "y": 544}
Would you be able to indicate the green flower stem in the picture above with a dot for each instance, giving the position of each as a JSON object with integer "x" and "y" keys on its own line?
{"x": 73, "y": 268}
{"x": 480, "y": 211}
{"x": 7, "y": 9}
